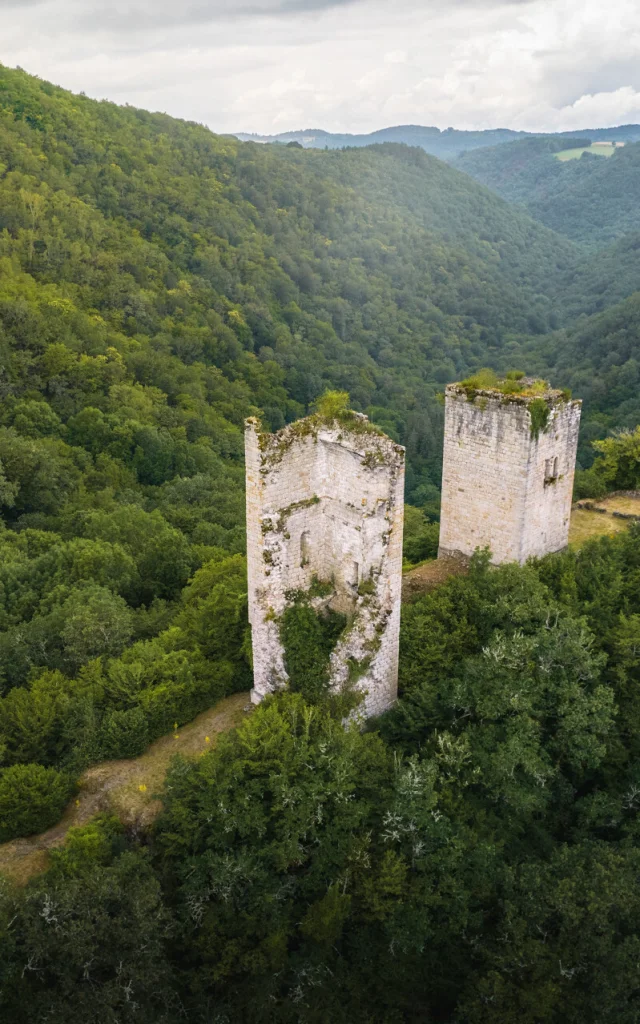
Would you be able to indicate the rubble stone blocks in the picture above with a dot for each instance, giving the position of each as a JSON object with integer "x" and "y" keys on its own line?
{"x": 504, "y": 485}
{"x": 325, "y": 504}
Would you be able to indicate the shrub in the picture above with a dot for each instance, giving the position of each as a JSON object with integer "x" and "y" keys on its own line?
{"x": 589, "y": 483}
{"x": 124, "y": 733}
{"x": 484, "y": 378}
{"x": 308, "y": 639}
{"x": 332, "y": 405}
{"x": 32, "y": 798}
{"x": 181, "y": 699}
{"x": 86, "y": 847}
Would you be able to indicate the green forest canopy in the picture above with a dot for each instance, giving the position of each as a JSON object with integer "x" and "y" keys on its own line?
{"x": 590, "y": 200}
{"x": 473, "y": 860}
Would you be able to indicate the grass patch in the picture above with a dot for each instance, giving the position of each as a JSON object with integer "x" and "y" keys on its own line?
{"x": 512, "y": 383}
{"x": 620, "y": 503}
{"x": 585, "y": 525}
{"x": 575, "y": 154}
{"x": 430, "y": 574}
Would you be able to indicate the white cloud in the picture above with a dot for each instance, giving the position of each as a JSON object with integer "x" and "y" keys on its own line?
{"x": 621, "y": 106}
{"x": 396, "y": 57}
{"x": 343, "y": 65}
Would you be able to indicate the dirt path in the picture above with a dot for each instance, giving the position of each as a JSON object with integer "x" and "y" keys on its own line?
{"x": 129, "y": 789}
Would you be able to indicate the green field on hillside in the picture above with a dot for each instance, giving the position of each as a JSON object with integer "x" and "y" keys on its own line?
{"x": 575, "y": 154}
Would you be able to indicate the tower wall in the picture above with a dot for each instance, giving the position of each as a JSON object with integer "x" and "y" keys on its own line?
{"x": 326, "y": 502}
{"x": 503, "y": 487}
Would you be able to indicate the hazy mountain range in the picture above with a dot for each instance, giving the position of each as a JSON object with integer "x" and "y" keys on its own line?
{"x": 446, "y": 144}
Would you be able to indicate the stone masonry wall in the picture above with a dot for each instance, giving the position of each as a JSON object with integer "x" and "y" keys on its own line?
{"x": 501, "y": 486}
{"x": 326, "y": 501}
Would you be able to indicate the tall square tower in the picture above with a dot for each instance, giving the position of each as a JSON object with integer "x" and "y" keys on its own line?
{"x": 509, "y": 461}
{"x": 325, "y": 504}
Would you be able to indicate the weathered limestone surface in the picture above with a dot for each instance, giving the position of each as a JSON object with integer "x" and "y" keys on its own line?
{"x": 326, "y": 501}
{"x": 501, "y": 486}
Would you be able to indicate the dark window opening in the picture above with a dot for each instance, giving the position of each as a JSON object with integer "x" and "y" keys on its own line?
{"x": 305, "y": 548}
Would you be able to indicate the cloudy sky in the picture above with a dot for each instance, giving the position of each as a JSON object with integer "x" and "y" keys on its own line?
{"x": 342, "y": 65}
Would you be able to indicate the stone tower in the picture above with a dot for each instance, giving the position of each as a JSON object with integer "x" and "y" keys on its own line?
{"x": 507, "y": 480}
{"x": 325, "y": 504}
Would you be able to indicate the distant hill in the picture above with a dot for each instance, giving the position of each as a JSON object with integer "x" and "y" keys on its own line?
{"x": 591, "y": 200}
{"x": 447, "y": 144}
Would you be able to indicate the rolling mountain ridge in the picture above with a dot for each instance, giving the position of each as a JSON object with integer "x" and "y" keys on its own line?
{"x": 446, "y": 144}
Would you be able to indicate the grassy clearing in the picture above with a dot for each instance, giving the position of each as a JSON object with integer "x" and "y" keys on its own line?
{"x": 575, "y": 154}
{"x": 620, "y": 503}
{"x": 130, "y": 789}
{"x": 585, "y": 525}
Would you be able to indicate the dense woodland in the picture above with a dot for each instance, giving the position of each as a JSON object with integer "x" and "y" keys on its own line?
{"x": 471, "y": 857}
{"x": 474, "y": 858}
{"x": 592, "y": 200}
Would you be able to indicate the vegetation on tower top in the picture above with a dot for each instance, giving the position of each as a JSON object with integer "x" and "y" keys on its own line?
{"x": 515, "y": 384}
{"x": 330, "y": 410}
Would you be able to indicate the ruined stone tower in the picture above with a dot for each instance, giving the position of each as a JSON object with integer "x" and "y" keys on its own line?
{"x": 325, "y": 506}
{"x": 509, "y": 461}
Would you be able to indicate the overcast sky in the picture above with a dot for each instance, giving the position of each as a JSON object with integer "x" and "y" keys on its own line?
{"x": 344, "y": 65}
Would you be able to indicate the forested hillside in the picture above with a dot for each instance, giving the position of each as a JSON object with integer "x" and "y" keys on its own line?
{"x": 593, "y": 200}
{"x": 157, "y": 285}
{"x": 599, "y": 280}
{"x": 257, "y": 276}
{"x": 598, "y": 358}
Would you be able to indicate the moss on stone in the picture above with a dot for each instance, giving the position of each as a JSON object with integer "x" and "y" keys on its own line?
{"x": 373, "y": 458}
